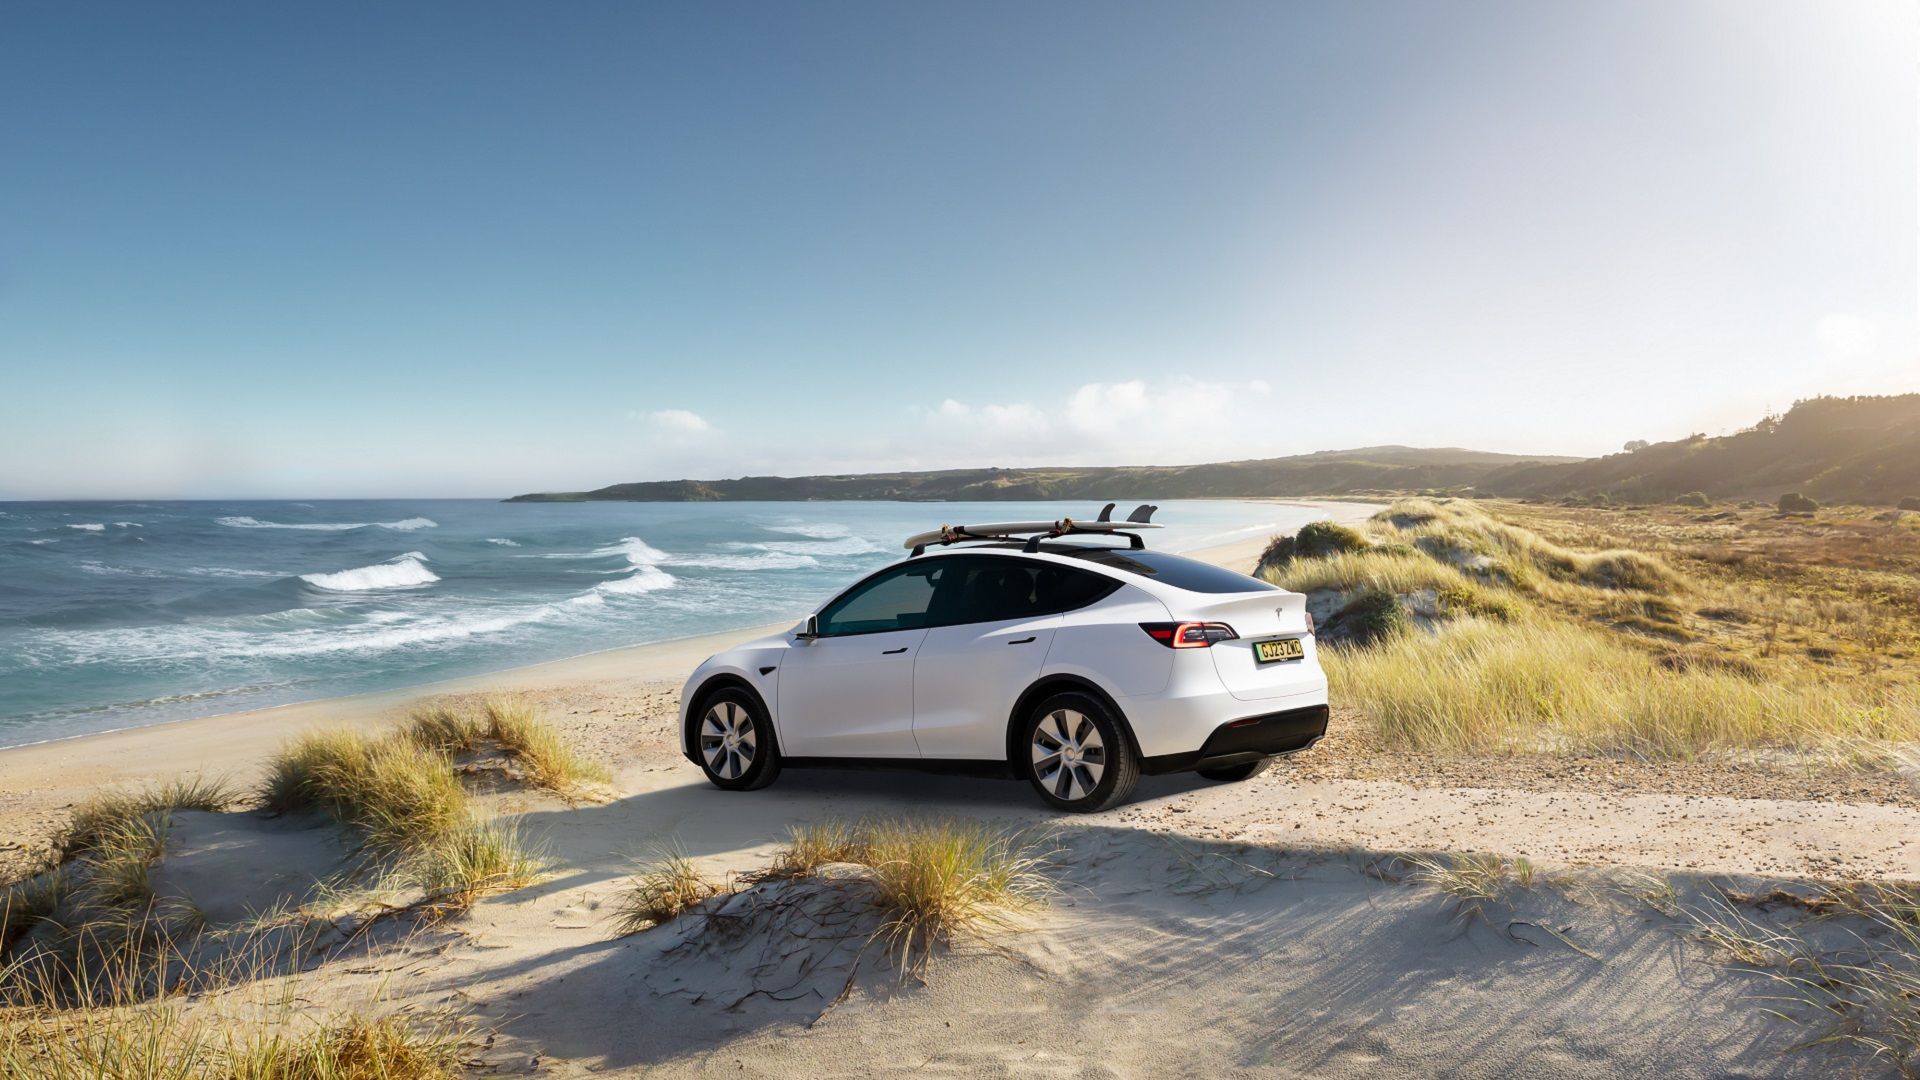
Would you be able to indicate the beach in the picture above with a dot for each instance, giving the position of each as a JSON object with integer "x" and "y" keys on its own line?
{"x": 1281, "y": 926}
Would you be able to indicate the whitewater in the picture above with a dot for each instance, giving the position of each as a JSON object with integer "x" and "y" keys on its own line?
{"x": 120, "y": 614}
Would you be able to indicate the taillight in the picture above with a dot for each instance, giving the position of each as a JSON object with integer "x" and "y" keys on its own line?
{"x": 1188, "y": 635}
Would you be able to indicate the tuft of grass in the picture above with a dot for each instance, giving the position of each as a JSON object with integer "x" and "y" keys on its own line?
{"x": 515, "y": 726}
{"x": 110, "y": 812}
{"x": 474, "y": 859}
{"x": 399, "y": 795}
{"x": 1374, "y": 614}
{"x": 29, "y": 903}
{"x": 1315, "y": 540}
{"x": 934, "y": 880}
{"x": 406, "y": 802}
{"x": 662, "y": 892}
{"x": 549, "y": 760}
{"x": 1472, "y": 881}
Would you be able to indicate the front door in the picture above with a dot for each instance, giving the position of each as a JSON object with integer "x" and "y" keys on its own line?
{"x": 849, "y": 696}
{"x": 849, "y": 692}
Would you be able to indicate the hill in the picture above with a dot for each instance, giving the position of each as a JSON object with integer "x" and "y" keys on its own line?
{"x": 1371, "y": 469}
{"x": 1856, "y": 449}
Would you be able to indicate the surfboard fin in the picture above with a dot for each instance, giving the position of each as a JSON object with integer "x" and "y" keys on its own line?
{"x": 1142, "y": 513}
{"x": 1106, "y": 513}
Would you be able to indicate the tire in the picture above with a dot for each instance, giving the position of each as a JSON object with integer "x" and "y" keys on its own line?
{"x": 734, "y": 741}
{"x": 1233, "y": 774}
{"x": 1074, "y": 751}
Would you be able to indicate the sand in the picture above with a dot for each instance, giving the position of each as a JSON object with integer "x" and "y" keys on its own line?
{"x": 1202, "y": 929}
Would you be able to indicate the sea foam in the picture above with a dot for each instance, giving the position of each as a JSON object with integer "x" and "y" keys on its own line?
{"x": 403, "y": 525}
{"x": 401, "y": 572}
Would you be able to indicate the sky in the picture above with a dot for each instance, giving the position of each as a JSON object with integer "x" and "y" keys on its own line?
{"x": 474, "y": 249}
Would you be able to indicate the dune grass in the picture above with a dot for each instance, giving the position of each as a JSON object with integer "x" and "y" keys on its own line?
{"x": 934, "y": 880}
{"x": 1864, "y": 994}
{"x": 115, "y": 1028}
{"x": 515, "y": 726}
{"x": 1541, "y": 685}
{"x": 407, "y": 804}
{"x": 1533, "y": 646}
{"x": 662, "y": 892}
{"x": 1471, "y": 881}
{"x": 110, "y": 812}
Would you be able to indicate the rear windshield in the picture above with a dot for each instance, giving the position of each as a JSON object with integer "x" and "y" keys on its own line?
{"x": 1181, "y": 573}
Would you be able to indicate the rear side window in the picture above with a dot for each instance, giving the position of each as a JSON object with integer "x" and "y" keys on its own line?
{"x": 976, "y": 589}
{"x": 1181, "y": 573}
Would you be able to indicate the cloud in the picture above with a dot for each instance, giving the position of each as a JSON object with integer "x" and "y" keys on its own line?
{"x": 678, "y": 422}
{"x": 1106, "y": 421}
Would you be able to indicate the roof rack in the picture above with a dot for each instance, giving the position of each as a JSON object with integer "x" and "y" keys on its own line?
{"x": 1037, "y": 531}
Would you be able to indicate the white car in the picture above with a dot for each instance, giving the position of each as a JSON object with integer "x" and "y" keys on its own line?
{"x": 1063, "y": 659}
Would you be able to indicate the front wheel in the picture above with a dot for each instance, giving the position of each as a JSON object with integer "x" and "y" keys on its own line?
{"x": 735, "y": 741}
{"x": 1076, "y": 755}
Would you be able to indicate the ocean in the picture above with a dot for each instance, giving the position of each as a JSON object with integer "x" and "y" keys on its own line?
{"x": 115, "y": 615}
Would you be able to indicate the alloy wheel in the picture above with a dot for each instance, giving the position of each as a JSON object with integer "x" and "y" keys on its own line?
{"x": 1068, "y": 754}
{"x": 728, "y": 740}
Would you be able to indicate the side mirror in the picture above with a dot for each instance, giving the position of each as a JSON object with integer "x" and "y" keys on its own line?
{"x": 812, "y": 630}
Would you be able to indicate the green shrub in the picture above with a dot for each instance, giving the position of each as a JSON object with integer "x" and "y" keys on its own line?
{"x": 1372, "y": 615}
{"x": 1911, "y": 502}
{"x": 1795, "y": 503}
{"x": 1693, "y": 498}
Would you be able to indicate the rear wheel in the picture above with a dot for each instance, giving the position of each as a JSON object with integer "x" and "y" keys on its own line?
{"x": 1075, "y": 754}
{"x": 1235, "y": 773}
{"x": 734, "y": 741}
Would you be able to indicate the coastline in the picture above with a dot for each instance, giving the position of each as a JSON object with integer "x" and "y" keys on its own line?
{"x": 40, "y": 777}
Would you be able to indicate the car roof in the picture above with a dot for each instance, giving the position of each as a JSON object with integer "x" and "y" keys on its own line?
{"x": 1108, "y": 560}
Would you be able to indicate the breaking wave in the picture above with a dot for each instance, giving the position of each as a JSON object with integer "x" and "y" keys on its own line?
{"x": 400, "y": 572}
{"x": 91, "y": 526}
{"x": 403, "y": 525}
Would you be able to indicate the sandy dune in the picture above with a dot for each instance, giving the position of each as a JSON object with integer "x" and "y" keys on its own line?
{"x": 1203, "y": 929}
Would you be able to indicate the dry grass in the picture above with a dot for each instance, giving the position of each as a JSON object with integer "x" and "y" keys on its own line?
{"x": 934, "y": 880}
{"x": 407, "y": 803}
{"x": 1864, "y": 994}
{"x": 110, "y": 811}
{"x": 1472, "y": 881}
{"x": 1545, "y": 685}
{"x": 1538, "y": 646}
{"x": 116, "y": 1029}
{"x": 662, "y": 892}
{"x": 514, "y": 725}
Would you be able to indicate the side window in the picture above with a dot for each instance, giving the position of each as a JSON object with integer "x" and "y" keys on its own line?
{"x": 997, "y": 588}
{"x": 1058, "y": 589}
{"x": 897, "y": 600}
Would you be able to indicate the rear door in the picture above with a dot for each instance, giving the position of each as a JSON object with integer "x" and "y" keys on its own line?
{"x": 995, "y": 618}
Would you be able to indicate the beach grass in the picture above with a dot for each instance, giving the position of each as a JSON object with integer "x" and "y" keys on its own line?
{"x": 1456, "y": 631}
{"x": 934, "y": 880}
{"x": 662, "y": 891}
{"x": 516, "y": 727}
{"x": 407, "y": 804}
{"x": 116, "y": 1028}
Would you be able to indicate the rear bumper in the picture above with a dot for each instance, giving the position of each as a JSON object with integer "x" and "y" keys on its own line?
{"x": 1247, "y": 739}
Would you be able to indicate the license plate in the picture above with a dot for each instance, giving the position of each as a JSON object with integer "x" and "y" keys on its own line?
{"x": 1269, "y": 652}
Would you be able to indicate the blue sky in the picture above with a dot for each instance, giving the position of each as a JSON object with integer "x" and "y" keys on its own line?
{"x": 474, "y": 249}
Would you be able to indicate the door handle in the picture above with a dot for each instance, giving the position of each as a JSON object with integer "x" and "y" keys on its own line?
{"x": 890, "y": 652}
{"x": 1021, "y": 641}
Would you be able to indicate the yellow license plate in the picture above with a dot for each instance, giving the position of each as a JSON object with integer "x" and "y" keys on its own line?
{"x": 1268, "y": 652}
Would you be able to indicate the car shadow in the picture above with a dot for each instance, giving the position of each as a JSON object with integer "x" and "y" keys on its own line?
{"x": 1303, "y": 958}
